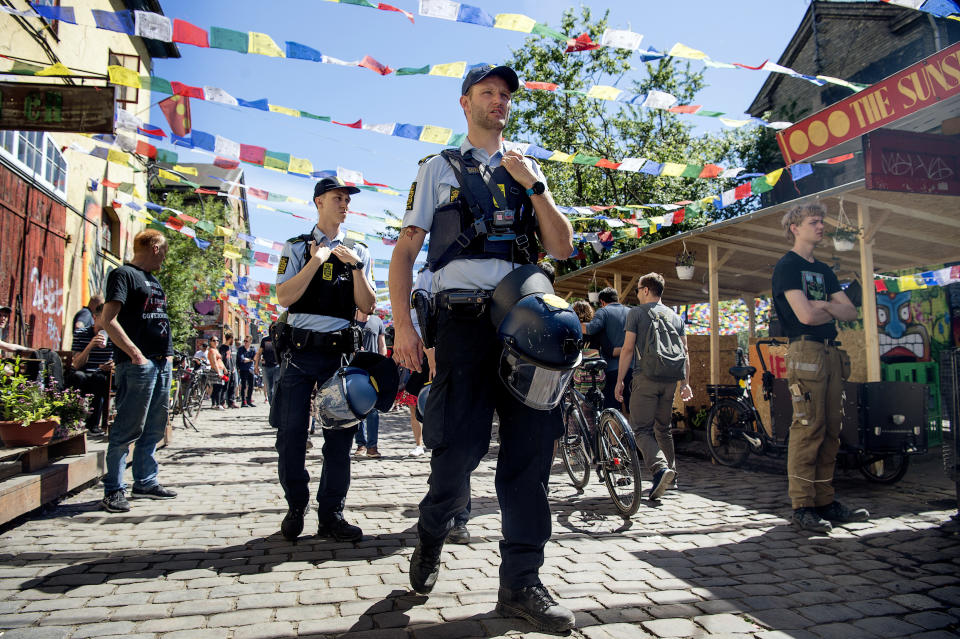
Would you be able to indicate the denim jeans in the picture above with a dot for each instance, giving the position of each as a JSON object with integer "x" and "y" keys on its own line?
{"x": 368, "y": 430}
{"x": 143, "y": 393}
{"x": 270, "y": 381}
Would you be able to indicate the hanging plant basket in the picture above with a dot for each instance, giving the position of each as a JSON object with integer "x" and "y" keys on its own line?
{"x": 34, "y": 434}
{"x": 842, "y": 243}
{"x": 593, "y": 296}
{"x": 685, "y": 272}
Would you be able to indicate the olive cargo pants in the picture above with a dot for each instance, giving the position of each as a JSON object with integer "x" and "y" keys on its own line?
{"x": 815, "y": 374}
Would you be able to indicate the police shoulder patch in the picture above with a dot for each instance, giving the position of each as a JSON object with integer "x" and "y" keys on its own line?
{"x": 412, "y": 194}
{"x": 454, "y": 193}
{"x": 282, "y": 266}
{"x": 432, "y": 155}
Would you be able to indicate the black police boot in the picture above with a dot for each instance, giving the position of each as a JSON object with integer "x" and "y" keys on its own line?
{"x": 292, "y": 524}
{"x": 535, "y": 604}
{"x": 459, "y": 534}
{"x": 339, "y": 529}
{"x": 425, "y": 564}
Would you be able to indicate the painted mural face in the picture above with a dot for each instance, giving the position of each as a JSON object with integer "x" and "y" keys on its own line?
{"x": 902, "y": 339}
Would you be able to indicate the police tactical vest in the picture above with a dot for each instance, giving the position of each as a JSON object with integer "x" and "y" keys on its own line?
{"x": 463, "y": 227}
{"x": 330, "y": 292}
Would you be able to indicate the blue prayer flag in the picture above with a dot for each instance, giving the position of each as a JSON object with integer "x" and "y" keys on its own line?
{"x": 303, "y": 52}
{"x": 121, "y": 21}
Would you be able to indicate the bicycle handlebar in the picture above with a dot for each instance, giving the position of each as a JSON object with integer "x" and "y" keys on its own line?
{"x": 772, "y": 341}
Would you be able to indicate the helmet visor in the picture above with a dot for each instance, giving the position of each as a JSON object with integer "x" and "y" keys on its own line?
{"x": 537, "y": 387}
{"x": 333, "y": 408}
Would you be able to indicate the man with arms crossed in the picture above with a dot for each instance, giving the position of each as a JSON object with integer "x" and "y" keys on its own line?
{"x": 808, "y": 300}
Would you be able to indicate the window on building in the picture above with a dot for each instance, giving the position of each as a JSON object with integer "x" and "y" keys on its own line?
{"x": 54, "y": 24}
{"x": 126, "y": 95}
{"x": 36, "y": 154}
{"x": 109, "y": 230}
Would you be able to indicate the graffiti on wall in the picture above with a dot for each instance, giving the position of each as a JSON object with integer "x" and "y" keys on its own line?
{"x": 913, "y": 325}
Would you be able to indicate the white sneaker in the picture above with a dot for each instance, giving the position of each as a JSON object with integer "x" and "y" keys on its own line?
{"x": 417, "y": 452}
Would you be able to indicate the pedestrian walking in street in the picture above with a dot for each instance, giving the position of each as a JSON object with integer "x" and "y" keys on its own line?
{"x": 218, "y": 394}
{"x": 606, "y": 329}
{"x": 373, "y": 341}
{"x": 228, "y": 356}
{"x": 245, "y": 355}
{"x": 656, "y": 345}
{"x": 265, "y": 363}
{"x": 135, "y": 318}
{"x": 484, "y": 205}
{"x": 323, "y": 278}
{"x": 808, "y": 301}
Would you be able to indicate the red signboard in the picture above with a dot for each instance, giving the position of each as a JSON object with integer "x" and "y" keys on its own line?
{"x": 912, "y": 162}
{"x": 920, "y": 85}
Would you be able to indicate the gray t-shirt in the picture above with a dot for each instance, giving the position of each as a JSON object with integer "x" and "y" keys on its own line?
{"x": 372, "y": 330}
{"x": 608, "y": 323}
{"x": 638, "y": 321}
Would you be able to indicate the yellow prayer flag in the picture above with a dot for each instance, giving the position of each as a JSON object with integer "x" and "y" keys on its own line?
{"x": 262, "y": 44}
{"x": 284, "y": 110}
{"x": 683, "y": 51}
{"x": 908, "y": 283}
{"x": 435, "y": 134}
{"x": 355, "y": 235}
{"x": 229, "y": 253}
{"x": 602, "y": 92}
{"x": 733, "y": 123}
{"x": 118, "y": 157}
{"x": 137, "y": 194}
{"x": 189, "y": 170}
{"x": 514, "y": 22}
{"x": 264, "y": 206}
{"x": 300, "y": 165}
{"x": 773, "y": 177}
{"x": 123, "y": 76}
{"x": 672, "y": 169}
{"x": 55, "y": 69}
{"x": 167, "y": 175}
{"x": 290, "y": 198}
{"x": 449, "y": 69}
{"x": 560, "y": 156}
{"x": 223, "y": 232}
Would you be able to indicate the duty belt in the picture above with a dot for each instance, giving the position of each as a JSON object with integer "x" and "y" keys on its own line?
{"x": 464, "y": 302}
{"x": 341, "y": 341}
{"x": 809, "y": 338}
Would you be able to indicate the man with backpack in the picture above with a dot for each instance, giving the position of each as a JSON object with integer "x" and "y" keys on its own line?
{"x": 656, "y": 345}
{"x": 607, "y": 327}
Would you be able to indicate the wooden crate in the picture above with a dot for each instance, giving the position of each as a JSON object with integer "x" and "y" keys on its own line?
{"x": 33, "y": 458}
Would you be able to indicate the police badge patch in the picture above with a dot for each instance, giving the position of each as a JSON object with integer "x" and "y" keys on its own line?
{"x": 328, "y": 271}
{"x": 413, "y": 192}
{"x": 282, "y": 266}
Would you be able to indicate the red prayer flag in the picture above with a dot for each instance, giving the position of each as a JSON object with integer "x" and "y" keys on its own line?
{"x": 224, "y": 163}
{"x": 258, "y": 193}
{"x": 353, "y": 125}
{"x": 174, "y": 223}
{"x": 880, "y": 285}
{"x": 116, "y": 205}
{"x": 679, "y": 215}
{"x": 388, "y": 7}
{"x": 373, "y": 65}
{"x": 685, "y": 108}
{"x": 179, "y": 88}
{"x": 540, "y": 86}
{"x": 365, "y": 183}
{"x": 746, "y": 66}
{"x": 252, "y": 154}
{"x": 581, "y": 43}
{"x": 112, "y": 185}
{"x": 177, "y": 111}
{"x": 203, "y": 191}
{"x": 261, "y": 257}
{"x": 711, "y": 171}
{"x": 263, "y": 288}
{"x": 146, "y": 149}
{"x": 188, "y": 218}
{"x": 840, "y": 158}
{"x": 607, "y": 164}
{"x": 187, "y": 33}
{"x": 605, "y": 236}
{"x": 742, "y": 191}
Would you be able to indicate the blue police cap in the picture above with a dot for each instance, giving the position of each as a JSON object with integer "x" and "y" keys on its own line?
{"x": 479, "y": 73}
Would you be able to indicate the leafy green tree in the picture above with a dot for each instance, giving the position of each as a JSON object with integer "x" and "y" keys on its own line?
{"x": 189, "y": 273}
{"x": 568, "y": 121}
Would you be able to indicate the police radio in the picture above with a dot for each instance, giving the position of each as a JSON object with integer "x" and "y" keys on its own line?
{"x": 501, "y": 228}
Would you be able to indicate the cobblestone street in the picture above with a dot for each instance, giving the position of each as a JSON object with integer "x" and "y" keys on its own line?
{"x": 715, "y": 558}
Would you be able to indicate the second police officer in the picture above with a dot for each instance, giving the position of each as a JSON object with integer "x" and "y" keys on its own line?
{"x": 484, "y": 206}
{"x": 322, "y": 278}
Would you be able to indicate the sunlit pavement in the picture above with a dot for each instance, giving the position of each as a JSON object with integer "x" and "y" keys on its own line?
{"x": 717, "y": 557}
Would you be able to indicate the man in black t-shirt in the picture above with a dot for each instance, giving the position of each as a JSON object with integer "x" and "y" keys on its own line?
{"x": 266, "y": 361}
{"x": 135, "y": 318}
{"x": 230, "y": 364}
{"x": 808, "y": 300}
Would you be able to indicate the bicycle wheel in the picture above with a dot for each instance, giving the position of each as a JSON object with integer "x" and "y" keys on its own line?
{"x": 884, "y": 469}
{"x": 192, "y": 404}
{"x": 724, "y": 423}
{"x": 619, "y": 458}
{"x": 573, "y": 447}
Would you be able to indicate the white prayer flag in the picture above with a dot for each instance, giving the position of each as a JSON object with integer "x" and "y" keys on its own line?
{"x": 216, "y": 94}
{"x": 153, "y": 25}
{"x": 443, "y": 9}
{"x": 632, "y": 164}
{"x": 621, "y": 39}
{"x": 659, "y": 100}
{"x": 225, "y": 147}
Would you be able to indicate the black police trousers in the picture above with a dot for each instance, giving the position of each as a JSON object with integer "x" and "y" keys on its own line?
{"x": 291, "y": 415}
{"x": 457, "y": 426}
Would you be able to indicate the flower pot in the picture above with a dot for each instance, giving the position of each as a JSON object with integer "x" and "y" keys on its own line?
{"x": 593, "y": 296}
{"x": 842, "y": 244}
{"x": 34, "y": 434}
{"x": 685, "y": 272}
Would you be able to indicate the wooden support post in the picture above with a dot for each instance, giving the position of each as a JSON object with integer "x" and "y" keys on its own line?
{"x": 869, "y": 307}
{"x": 714, "y": 314}
{"x": 617, "y": 282}
{"x": 751, "y": 316}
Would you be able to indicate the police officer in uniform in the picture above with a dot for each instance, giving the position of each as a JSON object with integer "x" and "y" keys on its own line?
{"x": 323, "y": 279}
{"x": 484, "y": 206}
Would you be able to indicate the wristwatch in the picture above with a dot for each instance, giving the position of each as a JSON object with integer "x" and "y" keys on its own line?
{"x": 537, "y": 189}
{"x": 357, "y": 266}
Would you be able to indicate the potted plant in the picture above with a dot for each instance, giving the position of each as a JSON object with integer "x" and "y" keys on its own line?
{"x": 844, "y": 237}
{"x": 593, "y": 291}
{"x": 28, "y": 414}
{"x": 685, "y": 263}
{"x": 72, "y": 407}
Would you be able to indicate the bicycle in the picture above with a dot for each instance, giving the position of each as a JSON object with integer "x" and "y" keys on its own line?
{"x": 605, "y": 443}
{"x": 735, "y": 428}
{"x": 187, "y": 388}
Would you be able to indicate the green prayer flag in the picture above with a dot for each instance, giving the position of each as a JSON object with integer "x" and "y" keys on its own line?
{"x": 544, "y": 30}
{"x": 413, "y": 71}
{"x": 229, "y": 39}
{"x": 126, "y": 187}
{"x": 307, "y": 114}
{"x": 692, "y": 170}
{"x": 156, "y": 225}
{"x": 572, "y": 92}
{"x": 275, "y": 160}
{"x": 760, "y": 185}
{"x": 456, "y": 139}
{"x": 710, "y": 114}
{"x": 359, "y": 3}
{"x": 189, "y": 183}
{"x": 22, "y": 68}
{"x": 166, "y": 157}
{"x": 203, "y": 225}
{"x": 582, "y": 158}
{"x": 276, "y": 197}
{"x": 155, "y": 84}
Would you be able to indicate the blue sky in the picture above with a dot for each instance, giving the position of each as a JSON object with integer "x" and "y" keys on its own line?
{"x": 748, "y": 31}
